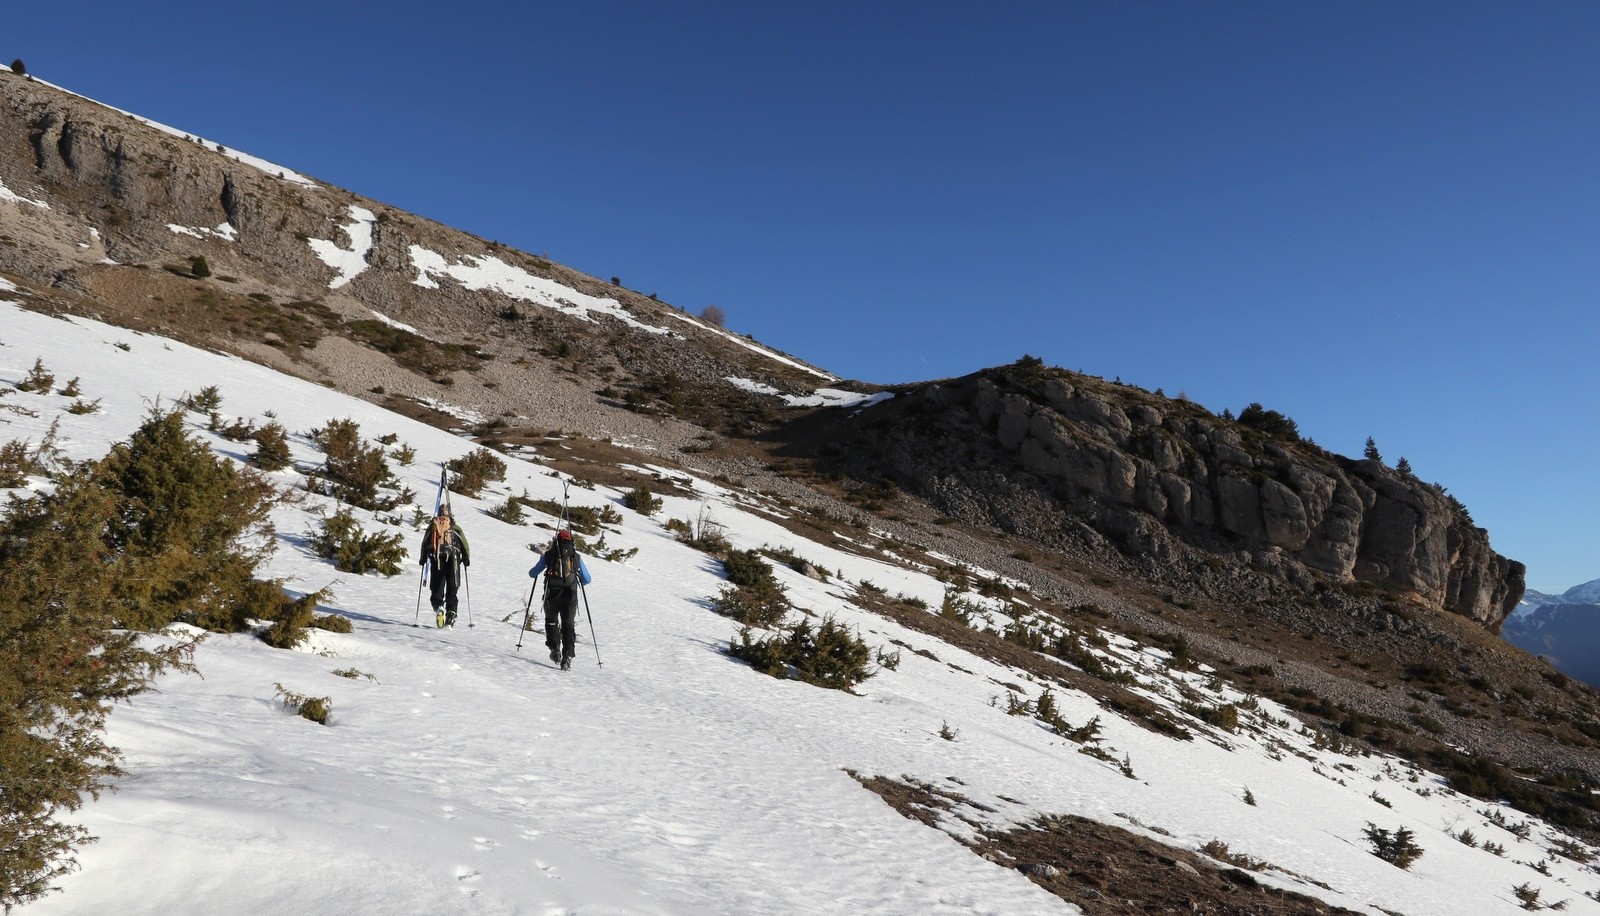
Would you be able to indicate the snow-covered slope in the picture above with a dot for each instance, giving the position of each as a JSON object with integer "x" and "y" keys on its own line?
{"x": 1587, "y": 593}
{"x": 459, "y": 774}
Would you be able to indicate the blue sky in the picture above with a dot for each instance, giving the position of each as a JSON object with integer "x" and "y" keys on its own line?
{"x": 1380, "y": 219}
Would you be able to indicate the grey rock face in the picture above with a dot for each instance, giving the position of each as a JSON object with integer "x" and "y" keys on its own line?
{"x": 1146, "y": 470}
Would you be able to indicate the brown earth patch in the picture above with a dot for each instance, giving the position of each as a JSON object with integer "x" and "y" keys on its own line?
{"x": 1105, "y": 870}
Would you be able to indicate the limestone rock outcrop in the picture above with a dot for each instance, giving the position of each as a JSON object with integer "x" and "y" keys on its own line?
{"x": 1149, "y": 472}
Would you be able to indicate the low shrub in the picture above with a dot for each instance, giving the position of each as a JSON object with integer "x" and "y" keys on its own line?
{"x": 474, "y": 471}
{"x": 354, "y": 469}
{"x": 1398, "y": 848}
{"x": 272, "y": 447}
{"x": 509, "y": 511}
{"x": 702, "y": 534}
{"x": 207, "y": 401}
{"x": 642, "y": 501}
{"x": 1225, "y": 716}
{"x": 1219, "y": 850}
{"x": 16, "y": 464}
{"x": 333, "y": 623}
{"x": 582, "y": 519}
{"x": 746, "y": 568}
{"x": 353, "y": 550}
{"x": 794, "y": 561}
{"x": 39, "y": 380}
{"x": 289, "y": 629}
{"x": 753, "y": 607}
{"x": 317, "y": 709}
{"x": 159, "y": 530}
{"x": 828, "y": 656}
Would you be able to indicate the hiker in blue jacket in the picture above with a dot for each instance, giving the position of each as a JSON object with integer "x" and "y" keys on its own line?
{"x": 564, "y": 575}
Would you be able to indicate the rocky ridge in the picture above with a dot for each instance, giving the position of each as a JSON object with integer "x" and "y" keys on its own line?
{"x": 1045, "y": 452}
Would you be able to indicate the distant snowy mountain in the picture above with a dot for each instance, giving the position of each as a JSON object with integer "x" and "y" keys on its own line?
{"x": 1587, "y": 593}
{"x": 1563, "y": 628}
{"x": 1531, "y": 602}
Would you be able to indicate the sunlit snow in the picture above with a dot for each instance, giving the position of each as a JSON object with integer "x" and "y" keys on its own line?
{"x": 461, "y": 774}
{"x": 488, "y": 272}
{"x": 225, "y": 231}
{"x": 822, "y": 397}
{"x": 349, "y": 262}
{"x": 10, "y": 196}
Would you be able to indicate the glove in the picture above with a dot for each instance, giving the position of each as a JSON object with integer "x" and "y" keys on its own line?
{"x": 423, "y": 562}
{"x": 466, "y": 561}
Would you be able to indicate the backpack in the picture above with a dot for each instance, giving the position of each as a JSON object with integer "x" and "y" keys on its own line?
{"x": 447, "y": 551}
{"x": 447, "y": 554}
{"x": 561, "y": 566}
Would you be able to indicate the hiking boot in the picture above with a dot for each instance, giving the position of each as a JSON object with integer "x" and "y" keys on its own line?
{"x": 555, "y": 655}
{"x": 450, "y": 619}
{"x": 438, "y": 619}
{"x": 566, "y": 663}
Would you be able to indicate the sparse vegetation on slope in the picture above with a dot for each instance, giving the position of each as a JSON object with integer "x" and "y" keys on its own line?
{"x": 158, "y": 531}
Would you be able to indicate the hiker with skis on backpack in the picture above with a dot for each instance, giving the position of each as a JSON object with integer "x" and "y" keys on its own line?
{"x": 564, "y": 575}
{"x": 444, "y": 546}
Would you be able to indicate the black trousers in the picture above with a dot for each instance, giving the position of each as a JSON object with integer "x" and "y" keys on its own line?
{"x": 561, "y": 620}
{"x": 442, "y": 584}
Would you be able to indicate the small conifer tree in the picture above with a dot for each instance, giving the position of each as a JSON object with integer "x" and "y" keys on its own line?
{"x": 158, "y": 530}
{"x": 207, "y": 401}
{"x": 39, "y": 380}
{"x": 1270, "y": 422}
{"x": 197, "y": 525}
{"x": 353, "y": 550}
{"x": 272, "y": 447}
{"x": 289, "y": 630}
{"x": 1398, "y": 848}
{"x": 828, "y": 656}
{"x": 642, "y": 501}
{"x": 354, "y": 469}
{"x": 474, "y": 471}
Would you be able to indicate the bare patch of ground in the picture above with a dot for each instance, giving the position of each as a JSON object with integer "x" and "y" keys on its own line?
{"x": 1105, "y": 870}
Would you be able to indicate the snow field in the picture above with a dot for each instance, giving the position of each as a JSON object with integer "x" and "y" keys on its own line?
{"x": 466, "y": 776}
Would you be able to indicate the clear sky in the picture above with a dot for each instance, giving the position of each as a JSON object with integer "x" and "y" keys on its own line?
{"x": 1379, "y": 219}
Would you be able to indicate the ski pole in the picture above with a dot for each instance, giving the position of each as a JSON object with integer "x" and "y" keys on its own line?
{"x": 592, "y": 638}
{"x": 526, "y": 613}
{"x": 421, "y": 578}
{"x": 466, "y": 580}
